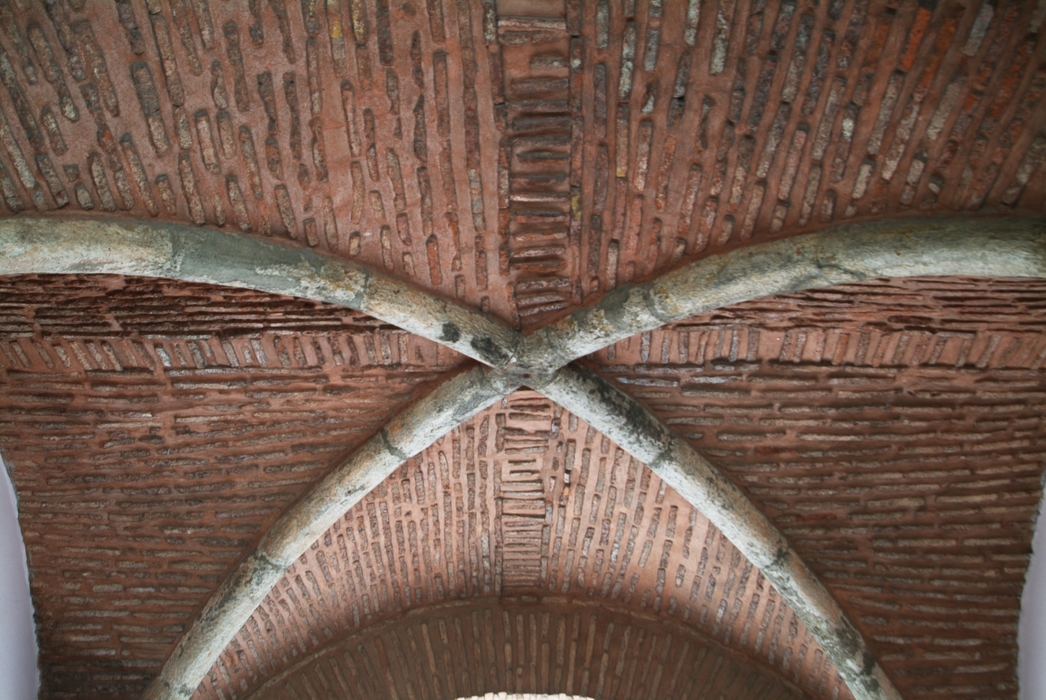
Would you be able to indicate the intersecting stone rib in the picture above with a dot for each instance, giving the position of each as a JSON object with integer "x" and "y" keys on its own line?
{"x": 642, "y": 435}
{"x": 1000, "y": 248}
{"x": 148, "y": 249}
{"x": 406, "y": 435}
{"x": 1013, "y": 247}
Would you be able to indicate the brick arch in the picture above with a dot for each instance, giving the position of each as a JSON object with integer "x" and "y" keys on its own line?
{"x": 532, "y": 645}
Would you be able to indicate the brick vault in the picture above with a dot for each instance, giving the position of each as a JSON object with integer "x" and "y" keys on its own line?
{"x": 431, "y": 348}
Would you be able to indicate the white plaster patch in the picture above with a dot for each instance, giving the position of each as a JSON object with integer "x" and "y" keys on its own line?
{"x": 19, "y": 676}
{"x": 1031, "y": 630}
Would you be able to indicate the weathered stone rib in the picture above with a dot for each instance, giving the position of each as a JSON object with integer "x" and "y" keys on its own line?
{"x": 1012, "y": 247}
{"x": 71, "y": 246}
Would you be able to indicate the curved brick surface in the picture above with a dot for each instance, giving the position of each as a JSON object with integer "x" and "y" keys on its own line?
{"x": 533, "y": 645}
{"x": 329, "y": 124}
{"x": 893, "y": 432}
{"x": 523, "y": 499}
{"x": 154, "y": 430}
{"x": 523, "y": 164}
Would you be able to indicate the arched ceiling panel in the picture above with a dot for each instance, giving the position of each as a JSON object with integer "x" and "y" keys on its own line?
{"x": 525, "y": 164}
{"x": 708, "y": 125}
{"x": 524, "y": 499}
{"x": 529, "y": 646}
{"x": 154, "y": 430}
{"x": 892, "y": 431}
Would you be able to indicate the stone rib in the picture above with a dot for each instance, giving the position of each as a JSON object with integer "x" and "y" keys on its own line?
{"x": 406, "y": 435}
{"x": 99, "y": 246}
{"x": 641, "y": 434}
{"x": 915, "y": 248}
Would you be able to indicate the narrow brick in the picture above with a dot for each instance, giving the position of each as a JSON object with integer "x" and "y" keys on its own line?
{"x": 14, "y": 152}
{"x": 182, "y": 128}
{"x": 180, "y": 12}
{"x": 720, "y": 39}
{"x": 1032, "y": 160}
{"x": 791, "y": 164}
{"x": 818, "y": 73}
{"x": 190, "y": 190}
{"x": 755, "y": 202}
{"x": 19, "y": 102}
{"x": 330, "y": 225}
{"x": 208, "y": 152}
{"x": 165, "y": 47}
{"x": 9, "y": 192}
{"x": 226, "y": 134}
{"x": 18, "y": 42}
{"x": 52, "y": 71}
{"x": 762, "y": 92}
{"x": 150, "y": 102}
{"x": 842, "y": 149}
{"x": 163, "y": 185}
{"x": 138, "y": 173}
{"x": 240, "y": 215}
{"x": 283, "y": 205}
{"x": 290, "y": 91}
{"x": 95, "y": 60}
{"x": 250, "y": 161}
{"x": 886, "y": 107}
{"x": 54, "y": 134}
{"x": 813, "y": 182}
{"x": 101, "y": 182}
{"x": 790, "y": 90}
{"x": 773, "y": 140}
{"x": 824, "y": 128}
{"x": 54, "y": 184}
{"x": 744, "y": 161}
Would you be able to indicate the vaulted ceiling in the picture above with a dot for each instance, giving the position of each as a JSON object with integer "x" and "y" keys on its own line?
{"x": 761, "y": 287}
